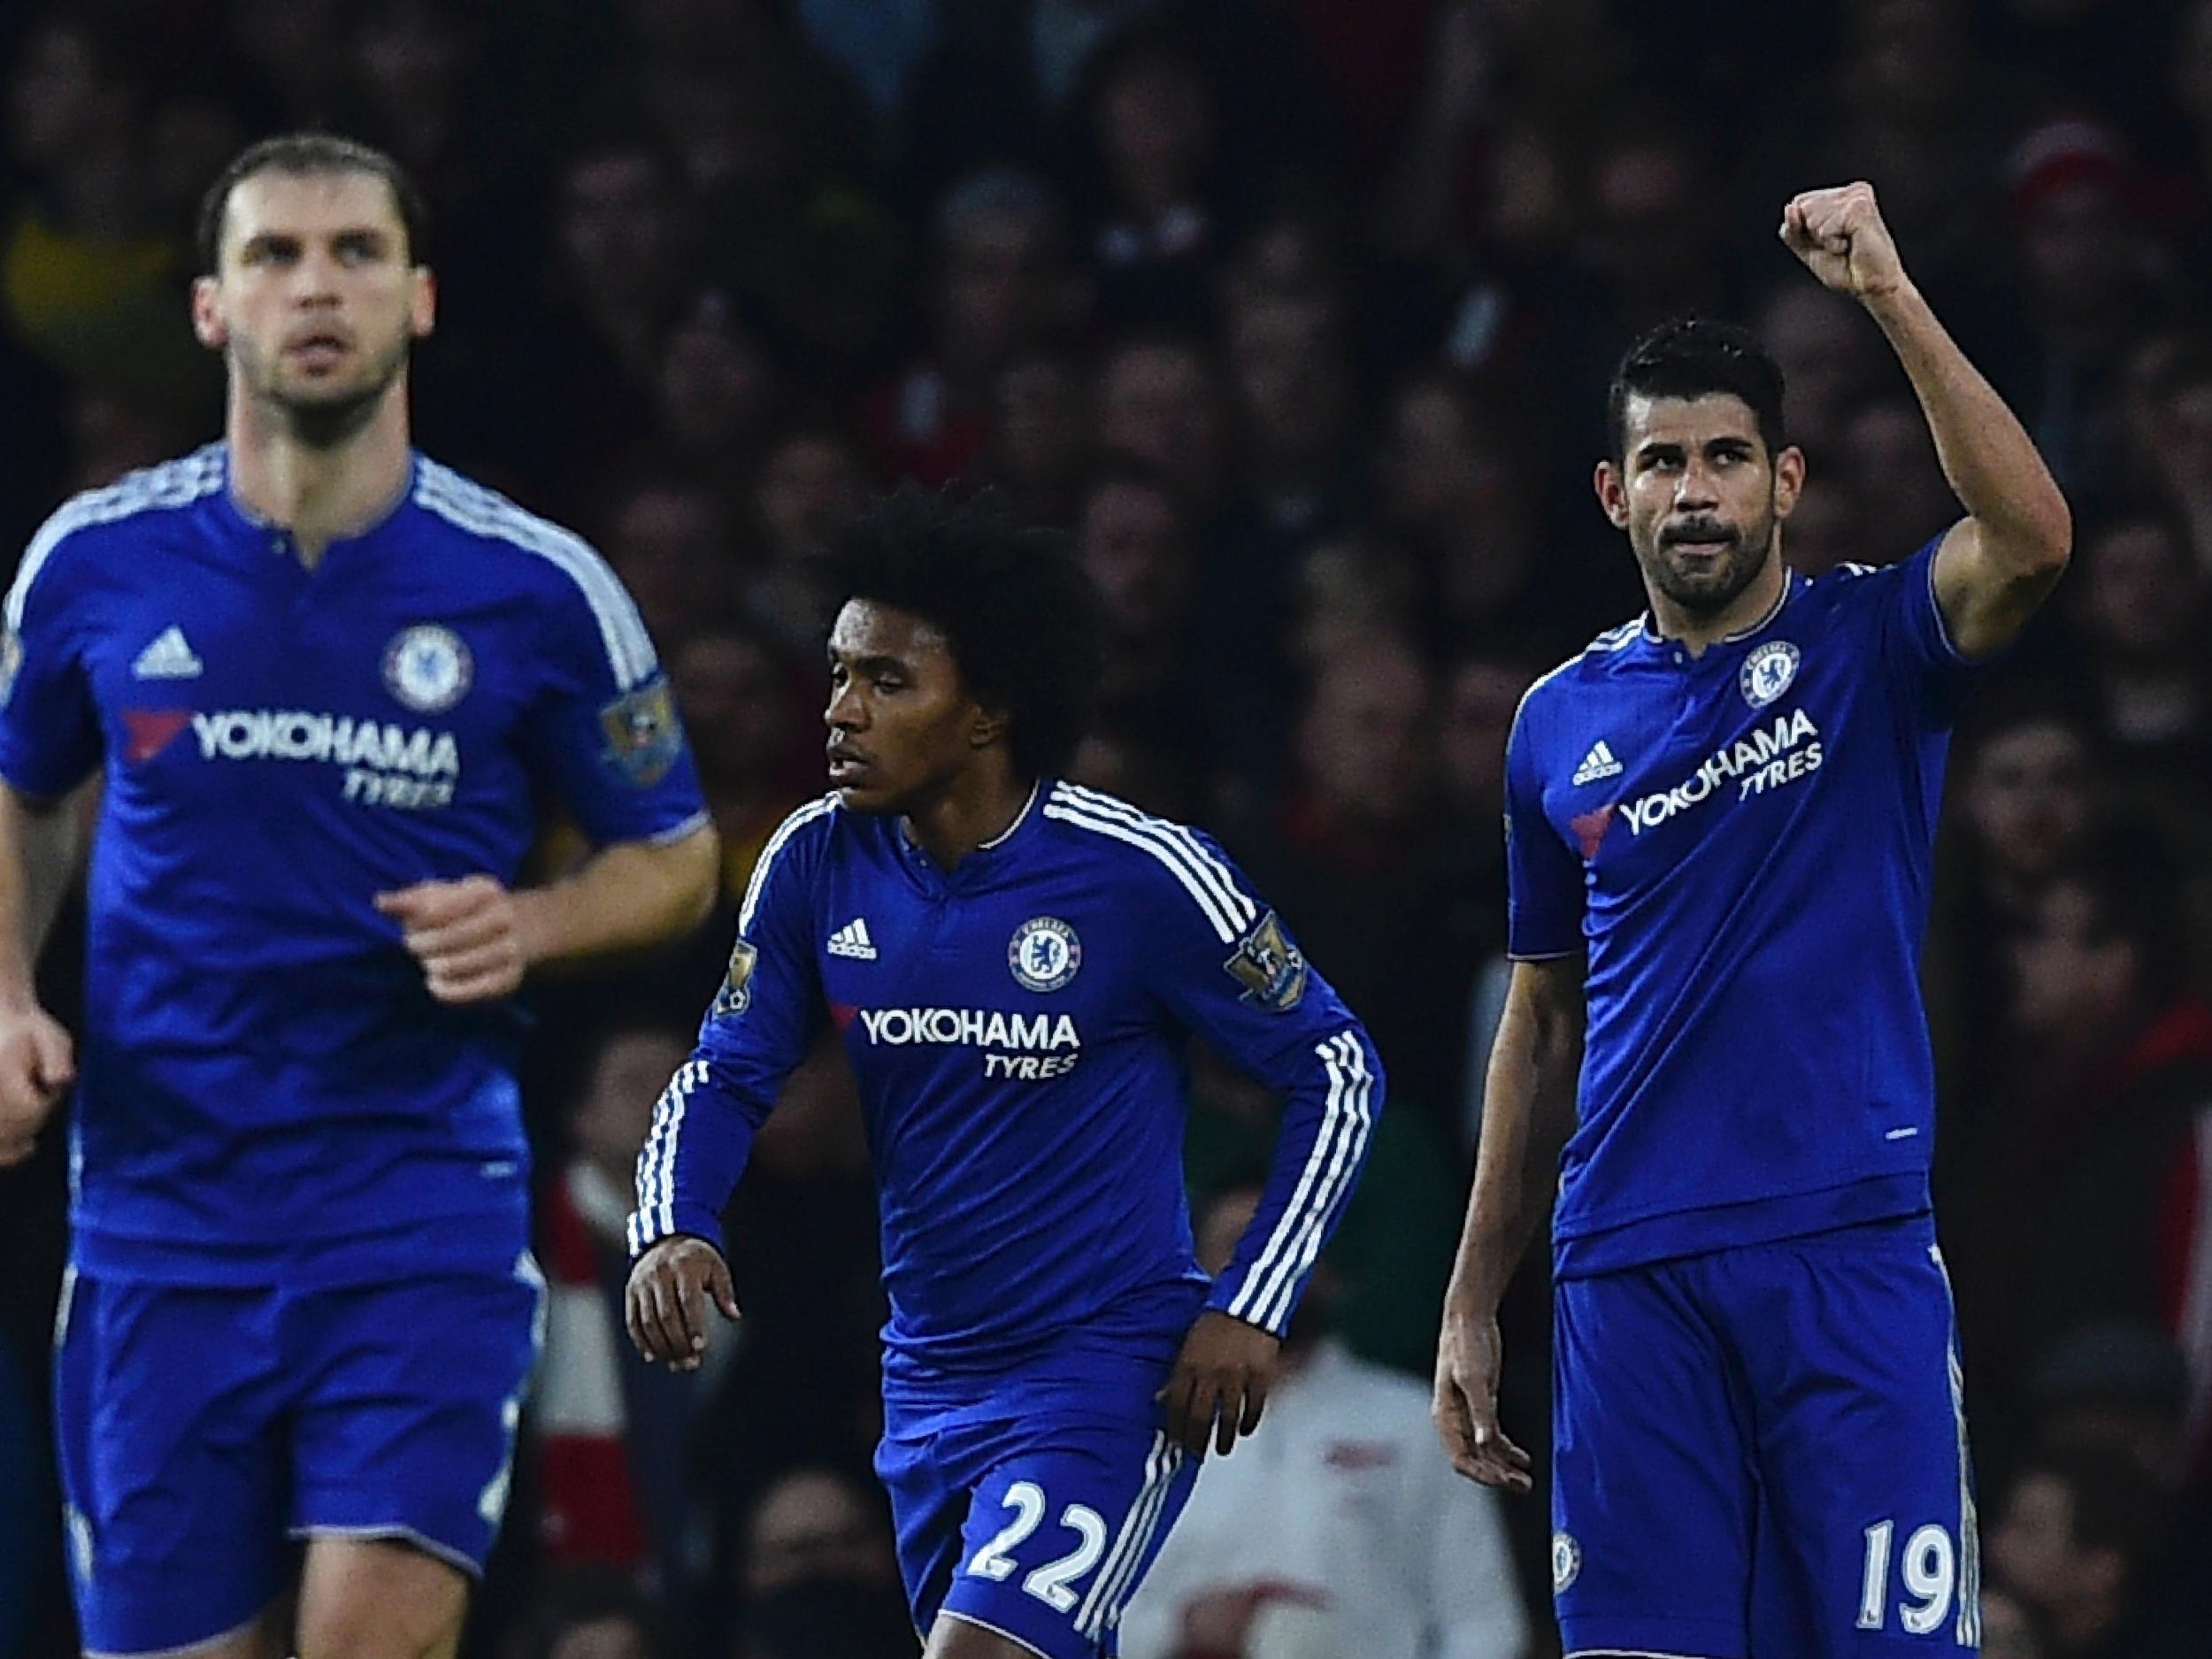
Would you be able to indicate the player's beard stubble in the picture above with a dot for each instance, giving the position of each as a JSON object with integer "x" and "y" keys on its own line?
{"x": 1705, "y": 587}
{"x": 321, "y": 417}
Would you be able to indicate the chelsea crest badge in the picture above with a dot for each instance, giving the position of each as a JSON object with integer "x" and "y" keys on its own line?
{"x": 1768, "y": 672}
{"x": 1044, "y": 953}
{"x": 427, "y": 668}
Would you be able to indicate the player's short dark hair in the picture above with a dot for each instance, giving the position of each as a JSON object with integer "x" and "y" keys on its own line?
{"x": 1020, "y": 616}
{"x": 303, "y": 155}
{"x": 1697, "y": 357}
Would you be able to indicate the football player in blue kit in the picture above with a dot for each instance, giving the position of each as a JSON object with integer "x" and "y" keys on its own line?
{"x": 1015, "y": 964}
{"x": 323, "y": 680}
{"x": 1719, "y": 824}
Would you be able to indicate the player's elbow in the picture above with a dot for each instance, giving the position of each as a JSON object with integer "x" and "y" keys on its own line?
{"x": 2054, "y": 543}
{"x": 2042, "y": 542}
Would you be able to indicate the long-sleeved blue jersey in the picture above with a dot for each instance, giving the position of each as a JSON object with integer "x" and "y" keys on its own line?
{"x": 264, "y": 1076}
{"x": 1017, "y": 1027}
{"x": 1741, "y": 841}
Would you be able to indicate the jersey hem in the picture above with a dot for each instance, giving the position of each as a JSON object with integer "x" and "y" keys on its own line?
{"x": 674, "y": 832}
{"x": 1144, "y": 1325}
{"x": 397, "y": 1532}
{"x": 482, "y": 1240}
{"x": 1878, "y": 1196}
{"x": 183, "y": 1650}
{"x": 1857, "y": 1178}
{"x": 15, "y": 775}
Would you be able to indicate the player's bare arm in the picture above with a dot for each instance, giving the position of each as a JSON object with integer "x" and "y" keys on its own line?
{"x": 665, "y": 1303}
{"x": 37, "y": 854}
{"x": 1528, "y": 1112}
{"x": 2002, "y": 560}
{"x": 476, "y": 939}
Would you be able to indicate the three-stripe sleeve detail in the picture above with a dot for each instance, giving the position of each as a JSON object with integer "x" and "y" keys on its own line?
{"x": 766, "y": 862}
{"x": 1347, "y": 1119}
{"x": 485, "y": 512}
{"x": 176, "y": 483}
{"x": 655, "y": 1215}
{"x": 1208, "y": 881}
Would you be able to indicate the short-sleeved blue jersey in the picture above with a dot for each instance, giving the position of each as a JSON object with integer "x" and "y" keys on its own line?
{"x": 262, "y": 1069}
{"x": 1741, "y": 841}
{"x": 1018, "y": 1030}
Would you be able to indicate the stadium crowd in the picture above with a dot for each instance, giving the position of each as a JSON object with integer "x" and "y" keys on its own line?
{"x": 1297, "y": 315}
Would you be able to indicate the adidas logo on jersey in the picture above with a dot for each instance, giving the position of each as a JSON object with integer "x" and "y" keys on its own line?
{"x": 169, "y": 657}
{"x": 852, "y": 940}
{"x": 1599, "y": 762}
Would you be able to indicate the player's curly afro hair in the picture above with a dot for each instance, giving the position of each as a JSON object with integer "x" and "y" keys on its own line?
{"x": 1020, "y": 615}
{"x": 1696, "y": 357}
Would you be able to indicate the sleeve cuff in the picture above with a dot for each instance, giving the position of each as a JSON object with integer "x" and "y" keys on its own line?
{"x": 688, "y": 1220}
{"x": 29, "y": 782}
{"x": 1225, "y": 1291}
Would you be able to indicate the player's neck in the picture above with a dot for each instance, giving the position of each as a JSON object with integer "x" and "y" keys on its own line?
{"x": 317, "y": 493}
{"x": 979, "y": 808}
{"x": 1696, "y": 630}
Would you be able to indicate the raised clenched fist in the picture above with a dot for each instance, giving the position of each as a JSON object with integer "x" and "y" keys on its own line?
{"x": 1840, "y": 235}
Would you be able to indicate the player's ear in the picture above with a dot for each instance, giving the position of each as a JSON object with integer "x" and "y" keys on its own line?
{"x": 207, "y": 314}
{"x": 1789, "y": 480}
{"x": 988, "y": 726}
{"x": 422, "y": 304}
{"x": 1612, "y": 493}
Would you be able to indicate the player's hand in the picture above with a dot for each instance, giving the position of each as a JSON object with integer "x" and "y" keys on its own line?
{"x": 467, "y": 934}
{"x": 665, "y": 1304}
{"x": 1466, "y": 1403}
{"x": 1840, "y": 235}
{"x": 36, "y": 1065}
{"x": 1219, "y": 1385}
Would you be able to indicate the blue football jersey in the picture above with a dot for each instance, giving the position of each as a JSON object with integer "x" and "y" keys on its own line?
{"x": 261, "y": 1067}
{"x": 1741, "y": 842}
{"x": 1018, "y": 1030}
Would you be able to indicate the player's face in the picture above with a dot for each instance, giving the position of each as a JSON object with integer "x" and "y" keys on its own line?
{"x": 901, "y": 727}
{"x": 315, "y": 300}
{"x": 1699, "y": 495}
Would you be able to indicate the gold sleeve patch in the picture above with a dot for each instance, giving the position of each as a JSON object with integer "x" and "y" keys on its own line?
{"x": 736, "y": 994}
{"x": 644, "y": 736}
{"x": 1271, "y": 969}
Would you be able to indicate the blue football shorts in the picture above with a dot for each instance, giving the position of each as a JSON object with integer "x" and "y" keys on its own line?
{"x": 202, "y": 1429}
{"x": 1034, "y": 1512}
{"x": 1761, "y": 1451}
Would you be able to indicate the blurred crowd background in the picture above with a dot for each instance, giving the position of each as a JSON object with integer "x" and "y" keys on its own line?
{"x": 1297, "y": 315}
